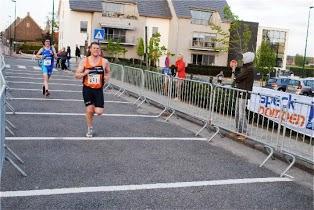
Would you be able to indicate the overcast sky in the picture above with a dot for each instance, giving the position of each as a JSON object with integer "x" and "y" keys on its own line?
{"x": 287, "y": 14}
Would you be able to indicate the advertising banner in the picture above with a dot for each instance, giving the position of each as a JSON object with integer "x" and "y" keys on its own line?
{"x": 295, "y": 111}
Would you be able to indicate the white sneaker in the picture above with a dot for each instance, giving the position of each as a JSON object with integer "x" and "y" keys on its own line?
{"x": 89, "y": 133}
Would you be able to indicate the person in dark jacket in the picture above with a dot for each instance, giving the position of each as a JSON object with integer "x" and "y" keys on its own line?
{"x": 68, "y": 56}
{"x": 63, "y": 57}
{"x": 244, "y": 82}
{"x": 77, "y": 53}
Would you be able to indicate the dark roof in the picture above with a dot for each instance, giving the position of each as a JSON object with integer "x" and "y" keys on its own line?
{"x": 183, "y": 7}
{"x": 148, "y": 8}
{"x": 86, "y": 5}
{"x": 154, "y": 8}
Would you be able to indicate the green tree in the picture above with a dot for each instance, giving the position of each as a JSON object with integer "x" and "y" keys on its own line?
{"x": 237, "y": 38}
{"x": 298, "y": 60}
{"x": 140, "y": 49}
{"x": 265, "y": 59}
{"x": 115, "y": 49}
{"x": 154, "y": 49}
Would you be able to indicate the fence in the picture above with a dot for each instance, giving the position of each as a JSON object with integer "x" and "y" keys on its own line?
{"x": 2, "y": 111}
{"x": 231, "y": 109}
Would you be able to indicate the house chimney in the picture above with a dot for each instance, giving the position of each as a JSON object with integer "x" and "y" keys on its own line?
{"x": 28, "y": 14}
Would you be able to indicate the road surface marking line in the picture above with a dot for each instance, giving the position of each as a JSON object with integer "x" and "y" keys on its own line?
{"x": 79, "y": 114}
{"x": 67, "y": 100}
{"x": 105, "y": 139}
{"x": 21, "y": 67}
{"x": 75, "y": 190}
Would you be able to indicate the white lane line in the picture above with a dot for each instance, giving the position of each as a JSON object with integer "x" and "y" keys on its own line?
{"x": 36, "y": 67}
{"x": 21, "y": 67}
{"x": 74, "y": 190}
{"x": 66, "y": 100}
{"x": 105, "y": 139}
{"x": 39, "y": 78}
{"x": 79, "y": 114}
{"x": 39, "y": 83}
{"x": 65, "y": 91}
{"x": 7, "y": 66}
{"x": 36, "y": 74}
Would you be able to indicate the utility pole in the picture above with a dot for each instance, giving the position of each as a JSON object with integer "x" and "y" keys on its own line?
{"x": 307, "y": 33}
{"x": 14, "y": 41}
{"x": 52, "y": 21}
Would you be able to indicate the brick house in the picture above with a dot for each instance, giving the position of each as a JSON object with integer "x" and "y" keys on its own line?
{"x": 26, "y": 30}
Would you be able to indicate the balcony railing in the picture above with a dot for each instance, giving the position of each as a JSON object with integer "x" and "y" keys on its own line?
{"x": 203, "y": 45}
{"x": 123, "y": 39}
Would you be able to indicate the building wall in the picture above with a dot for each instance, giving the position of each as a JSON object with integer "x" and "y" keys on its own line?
{"x": 28, "y": 30}
{"x": 260, "y": 39}
{"x": 183, "y": 34}
{"x": 69, "y": 27}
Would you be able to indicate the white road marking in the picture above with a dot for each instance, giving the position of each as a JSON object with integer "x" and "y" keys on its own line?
{"x": 7, "y": 66}
{"x": 79, "y": 114}
{"x": 75, "y": 190}
{"x": 21, "y": 67}
{"x": 105, "y": 139}
{"x": 39, "y": 83}
{"x": 39, "y": 78}
{"x": 66, "y": 91}
{"x": 35, "y": 74}
{"x": 36, "y": 67}
{"x": 66, "y": 100}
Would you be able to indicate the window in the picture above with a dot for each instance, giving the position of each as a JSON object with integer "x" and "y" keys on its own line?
{"x": 200, "y": 17}
{"x": 112, "y": 9}
{"x": 83, "y": 27}
{"x": 200, "y": 59}
{"x": 114, "y": 34}
{"x": 155, "y": 30}
{"x": 203, "y": 40}
{"x": 27, "y": 25}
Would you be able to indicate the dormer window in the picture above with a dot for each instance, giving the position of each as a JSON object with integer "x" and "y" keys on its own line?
{"x": 112, "y": 9}
{"x": 200, "y": 17}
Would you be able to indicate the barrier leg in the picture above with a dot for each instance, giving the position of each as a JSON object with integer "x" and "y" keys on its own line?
{"x": 137, "y": 100}
{"x": 284, "y": 173}
{"x": 271, "y": 152}
{"x": 163, "y": 111}
{"x": 14, "y": 154}
{"x": 141, "y": 102}
{"x": 10, "y": 107}
{"x": 10, "y": 123}
{"x": 217, "y": 131}
{"x": 10, "y": 131}
{"x": 200, "y": 130}
{"x": 172, "y": 113}
{"x": 122, "y": 93}
{"x": 15, "y": 166}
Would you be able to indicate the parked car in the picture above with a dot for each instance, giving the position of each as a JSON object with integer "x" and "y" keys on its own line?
{"x": 301, "y": 86}
{"x": 278, "y": 83}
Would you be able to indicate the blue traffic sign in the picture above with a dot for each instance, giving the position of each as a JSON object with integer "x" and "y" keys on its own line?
{"x": 99, "y": 34}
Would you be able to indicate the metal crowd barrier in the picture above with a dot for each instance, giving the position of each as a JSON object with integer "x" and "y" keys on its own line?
{"x": 221, "y": 107}
{"x": 3, "y": 105}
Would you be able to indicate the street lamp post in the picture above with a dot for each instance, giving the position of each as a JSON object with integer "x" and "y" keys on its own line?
{"x": 52, "y": 21}
{"x": 14, "y": 41}
{"x": 307, "y": 33}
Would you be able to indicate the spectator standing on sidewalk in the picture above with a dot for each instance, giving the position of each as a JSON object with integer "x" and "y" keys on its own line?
{"x": 220, "y": 77}
{"x": 68, "y": 56}
{"x": 77, "y": 53}
{"x": 180, "y": 66}
{"x": 63, "y": 57}
{"x": 244, "y": 81}
{"x": 167, "y": 72}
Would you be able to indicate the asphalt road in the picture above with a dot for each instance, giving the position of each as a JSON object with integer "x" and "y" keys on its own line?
{"x": 150, "y": 164}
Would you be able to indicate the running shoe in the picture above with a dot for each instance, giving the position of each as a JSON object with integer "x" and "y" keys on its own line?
{"x": 47, "y": 93}
{"x": 89, "y": 133}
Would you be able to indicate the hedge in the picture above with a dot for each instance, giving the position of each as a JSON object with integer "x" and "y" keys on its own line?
{"x": 298, "y": 71}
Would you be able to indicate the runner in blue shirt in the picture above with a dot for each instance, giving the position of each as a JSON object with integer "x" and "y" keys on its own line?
{"x": 47, "y": 53}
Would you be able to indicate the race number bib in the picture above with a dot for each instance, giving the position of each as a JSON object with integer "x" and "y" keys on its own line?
{"x": 47, "y": 62}
{"x": 93, "y": 79}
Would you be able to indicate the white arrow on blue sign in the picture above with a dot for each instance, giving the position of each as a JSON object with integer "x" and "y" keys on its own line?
{"x": 99, "y": 34}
